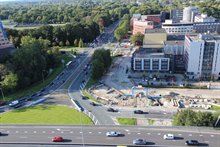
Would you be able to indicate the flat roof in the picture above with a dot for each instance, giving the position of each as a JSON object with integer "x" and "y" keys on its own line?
{"x": 155, "y": 31}
{"x": 174, "y": 42}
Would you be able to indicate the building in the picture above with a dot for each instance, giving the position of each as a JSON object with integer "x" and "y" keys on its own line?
{"x": 176, "y": 15}
{"x": 5, "y": 46}
{"x": 140, "y": 26}
{"x": 155, "y": 37}
{"x": 204, "y": 18}
{"x": 151, "y": 62}
{"x": 202, "y": 56}
{"x": 189, "y": 13}
{"x": 196, "y": 27}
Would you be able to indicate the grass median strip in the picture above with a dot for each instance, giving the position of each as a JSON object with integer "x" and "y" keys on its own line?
{"x": 127, "y": 121}
{"x": 45, "y": 114}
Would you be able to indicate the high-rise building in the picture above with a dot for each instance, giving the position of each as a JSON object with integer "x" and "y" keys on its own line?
{"x": 176, "y": 15}
{"x": 189, "y": 13}
{"x": 202, "y": 56}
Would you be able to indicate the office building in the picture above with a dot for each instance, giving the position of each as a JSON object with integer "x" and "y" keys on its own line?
{"x": 204, "y": 18}
{"x": 176, "y": 15}
{"x": 189, "y": 13}
{"x": 140, "y": 26}
{"x": 196, "y": 27}
{"x": 202, "y": 56}
{"x": 155, "y": 36}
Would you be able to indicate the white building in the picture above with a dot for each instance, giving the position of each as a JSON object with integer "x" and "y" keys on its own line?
{"x": 175, "y": 28}
{"x": 202, "y": 56}
{"x": 189, "y": 13}
{"x": 204, "y": 18}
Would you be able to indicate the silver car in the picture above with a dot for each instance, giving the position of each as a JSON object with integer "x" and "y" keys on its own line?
{"x": 139, "y": 142}
{"x": 113, "y": 134}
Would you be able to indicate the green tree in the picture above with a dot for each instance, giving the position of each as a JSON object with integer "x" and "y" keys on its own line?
{"x": 76, "y": 43}
{"x": 137, "y": 38}
{"x": 98, "y": 69}
{"x": 80, "y": 43}
{"x": 10, "y": 82}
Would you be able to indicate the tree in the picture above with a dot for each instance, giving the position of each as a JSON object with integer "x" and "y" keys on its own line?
{"x": 80, "y": 42}
{"x": 137, "y": 39}
{"x": 10, "y": 82}
{"x": 76, "y": 43}
{"x": 97, "y": 70}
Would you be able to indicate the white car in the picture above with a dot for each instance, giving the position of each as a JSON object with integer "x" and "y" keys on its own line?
{"x": 113, "y": 134}
{"x": 168, "y": 136}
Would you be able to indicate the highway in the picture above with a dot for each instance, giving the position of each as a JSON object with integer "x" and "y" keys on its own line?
{"x": 95, "y": 135}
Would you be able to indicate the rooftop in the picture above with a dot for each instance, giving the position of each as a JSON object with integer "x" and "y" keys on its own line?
{"x": 174, "y": 42}
{"x": 206, "y": 36}
{"x": 155, "y": 31}
{"x": 143, "y": 54}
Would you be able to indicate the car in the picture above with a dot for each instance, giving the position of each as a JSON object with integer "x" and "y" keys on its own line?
{"x": 92, "y": 103}
{"x": 84, "y": 97}
{"x": 113, "y": 134}
{"x": 112, "y": 110}
{"x": 138, "y": 112}
{"x": 139, "y": 142}
{"x": 57, "y": 139}
{"x": 192, "y": 142}
{"x": 168, "y": 137}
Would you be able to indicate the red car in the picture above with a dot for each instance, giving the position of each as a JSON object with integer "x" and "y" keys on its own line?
{"x": 57, "y": 139}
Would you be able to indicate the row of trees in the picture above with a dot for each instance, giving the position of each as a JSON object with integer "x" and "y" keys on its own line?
{"x": 28, "y": 64}
{"x": 122, "y": 30}
{"x": 101, "y": 61}
{"x": 191, "y": 118}
{"x": 66, "y": 35}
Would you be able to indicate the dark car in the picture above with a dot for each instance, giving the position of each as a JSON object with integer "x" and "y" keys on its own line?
{"x": 84, "y": 97}
{"x": 192, "y": 142}
{"x": 138, "y": 112}
{"x": 112, "y": 110}
{"x": 93, "y": 104}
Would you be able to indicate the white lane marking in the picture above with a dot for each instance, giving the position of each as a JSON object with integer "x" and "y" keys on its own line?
{"x": 61, "y": 132}
{"x": 127, "y": 130}
{"x": 71, "y": 132}
{"x": 201, "y": 135}
{"x": 180, "y": 134}
{"x": 35, "y": 131}
{"x": 212, "y": 135}
{"x": 58, "y": 129}
{"x": 190, "y": 134}
{"x": 16, "y": 131}
{"x": 206, "y": 141}
{"x": 158, "y": 134}
{"x": 129, "y": 133}
{"x": 138, "y": 133}
{"x": 80, "y": 132}
{"x": 52, "y": 132}
{"x": 148, "y": 133}
{"x": 90, "y": 132}
{"x": 100, "y": 132}
{"x": 8, "y": 131}
{"x": 26, "y": 132}
{"x": 43, "y": 132}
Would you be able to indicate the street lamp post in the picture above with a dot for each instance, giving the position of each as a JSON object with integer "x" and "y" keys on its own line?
{"x": 2, "y": 94}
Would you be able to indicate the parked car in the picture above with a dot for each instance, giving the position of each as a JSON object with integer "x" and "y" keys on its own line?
{"x": 57, "y": 139}
{"x": 192, "y": 142}
{"x": 93, "y": 104}
{"x": 138, "y": 112}
{"x": 168, "y": 137}
{"x": 113, "y": 134}
{"x": 112, "y": 110}
{"x": 84, "y": 97}
{"x": 139, "y": 142}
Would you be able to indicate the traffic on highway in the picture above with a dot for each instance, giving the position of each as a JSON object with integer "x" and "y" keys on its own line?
{"x": 108, "y": 135}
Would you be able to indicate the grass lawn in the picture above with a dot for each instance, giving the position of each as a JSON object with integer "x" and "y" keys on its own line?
{"x": 39, "y": 85}
{"x": 127, "y": 121}
{"x": 45, "y": 114}
{"x": 214, "y": 107}
{"x": 85, "y": 93}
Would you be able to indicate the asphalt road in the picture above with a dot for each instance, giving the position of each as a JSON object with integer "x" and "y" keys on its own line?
{"x": 95, "y": 135}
